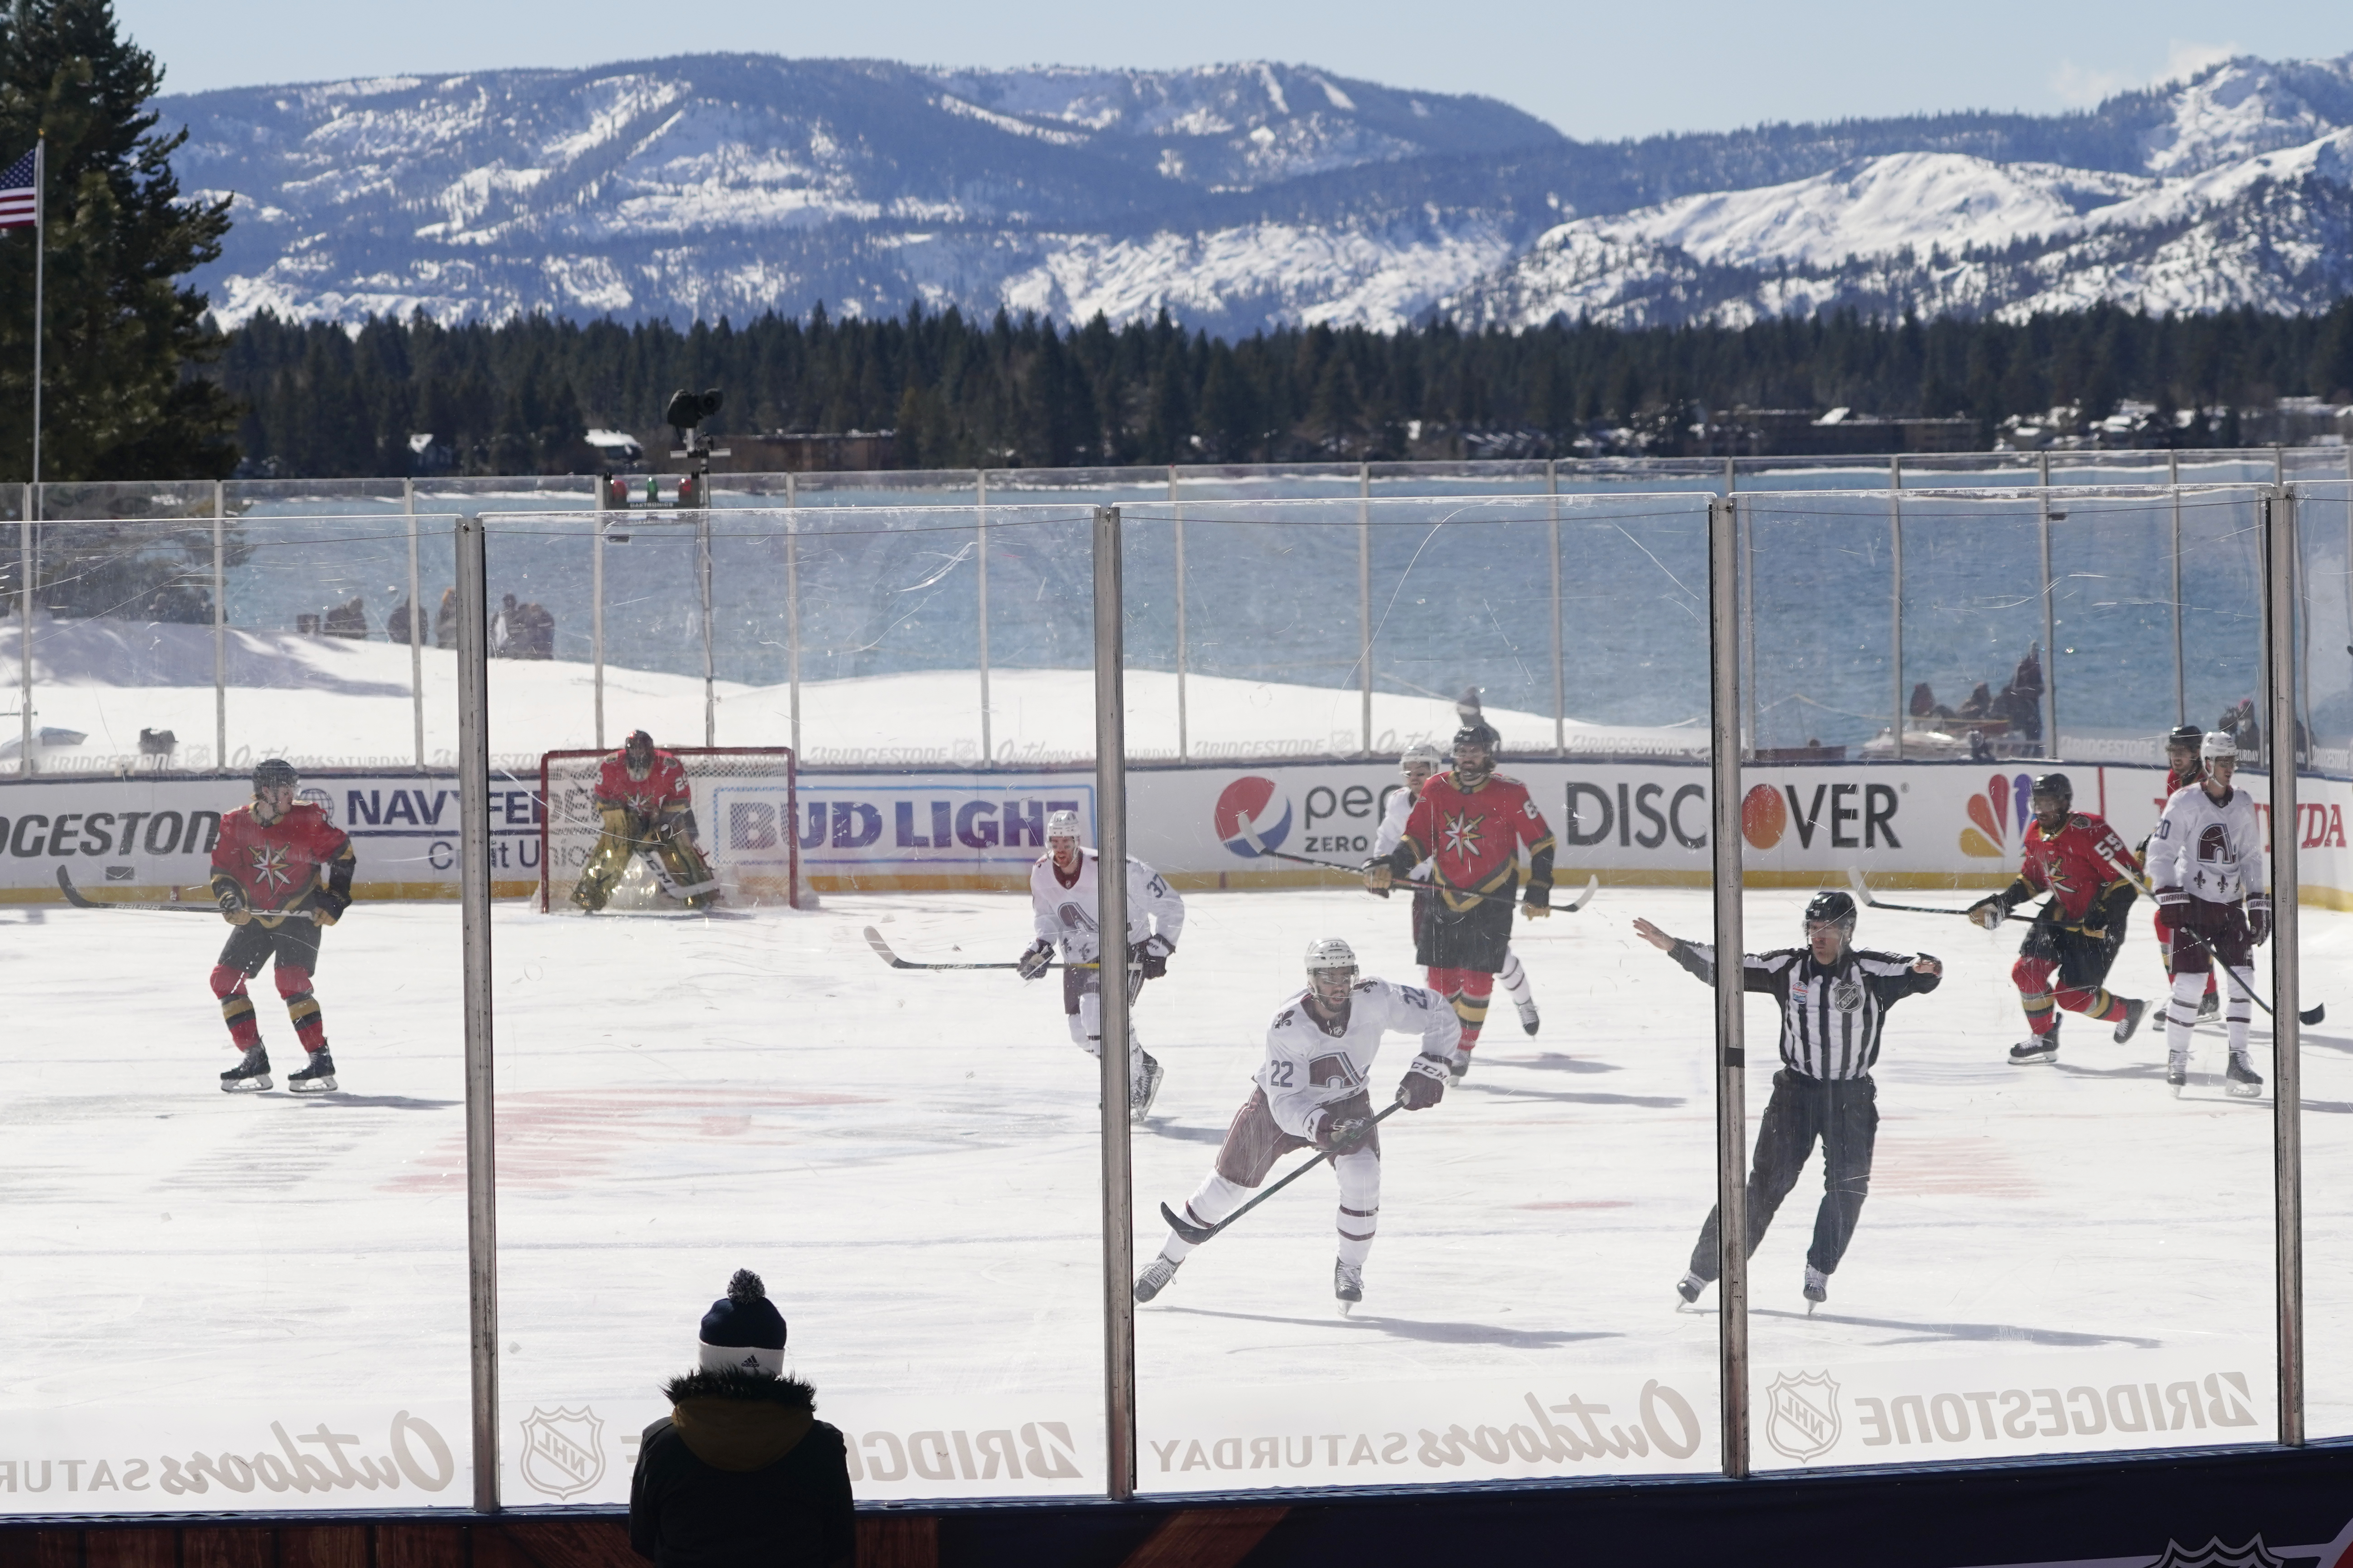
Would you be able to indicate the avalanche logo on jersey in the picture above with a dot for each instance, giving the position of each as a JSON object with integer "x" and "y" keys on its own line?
{"x": 269, "y": 868}
{"x": 1244, "y": 811}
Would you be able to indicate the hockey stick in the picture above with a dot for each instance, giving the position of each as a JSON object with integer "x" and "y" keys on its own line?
{"x": 1592, "y": 883}
{"x": 2312, "y": 1015}
{"x": 883, "y": 950}
{"x": 1854, "y": 875}
{"x": 81, "y": 900}
{"x": 1196, "y": 1234}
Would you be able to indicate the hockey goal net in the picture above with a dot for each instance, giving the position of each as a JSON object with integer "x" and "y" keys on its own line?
{"x": 744, "y": 814}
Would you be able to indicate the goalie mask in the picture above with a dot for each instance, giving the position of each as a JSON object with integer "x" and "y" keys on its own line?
{"x": 1331, "y": 970}
{"x": 638, "y": 754}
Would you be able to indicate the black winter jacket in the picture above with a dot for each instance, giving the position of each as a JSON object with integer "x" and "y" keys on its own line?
{"x": 742, "y": 1475}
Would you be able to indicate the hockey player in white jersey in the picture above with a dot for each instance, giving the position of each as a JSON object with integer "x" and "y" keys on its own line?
{"x": 2206, "y": 863}
{"x": 1315, "y": 1088}
{"x": 1419, "y": 764}
{"x": 1062, "y": 894}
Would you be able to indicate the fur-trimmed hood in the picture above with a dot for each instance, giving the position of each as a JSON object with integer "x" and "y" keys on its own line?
{"x": 736, "y": 1420}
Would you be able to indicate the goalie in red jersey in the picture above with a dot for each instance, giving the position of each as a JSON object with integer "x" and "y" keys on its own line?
{"x": 1471, "y": 823}
{"x": 281, "y": 871}
{"x": 2078, "y": 860}
{"x": 648, "y": 808}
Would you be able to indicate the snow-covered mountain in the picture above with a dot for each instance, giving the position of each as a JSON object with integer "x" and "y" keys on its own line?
{"x": 1239, "y": 197}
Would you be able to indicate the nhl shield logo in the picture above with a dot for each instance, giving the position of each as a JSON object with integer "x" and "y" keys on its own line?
{"x": 562, "y": 1451}
{"x": 1802, "y": 1417}
{"x": 1846, "y": 996}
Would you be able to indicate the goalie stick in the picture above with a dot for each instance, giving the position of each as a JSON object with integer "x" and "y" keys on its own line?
{"x": 81, "y": 900}
{"x": 1196, "y": 1234}
{"x": 1854, "y": 875}
{"x": 883, "y": 950}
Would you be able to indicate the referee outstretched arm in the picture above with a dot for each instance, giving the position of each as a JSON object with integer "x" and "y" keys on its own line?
{"x": 1834, "y": 999}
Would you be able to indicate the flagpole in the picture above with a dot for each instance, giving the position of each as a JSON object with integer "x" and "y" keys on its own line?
{"x": 40, "y": 257}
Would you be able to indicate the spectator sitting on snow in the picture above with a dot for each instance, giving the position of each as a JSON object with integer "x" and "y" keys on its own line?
{"x": 741, "y": 1473}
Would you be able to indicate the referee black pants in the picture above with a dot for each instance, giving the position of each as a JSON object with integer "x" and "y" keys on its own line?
{"x": 1845, "y": 1114}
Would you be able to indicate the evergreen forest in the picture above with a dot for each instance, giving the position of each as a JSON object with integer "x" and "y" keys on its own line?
{"x": 322, "y": 401}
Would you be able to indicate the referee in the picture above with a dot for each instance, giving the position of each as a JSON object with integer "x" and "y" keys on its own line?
{"x": 1834, "y": 999}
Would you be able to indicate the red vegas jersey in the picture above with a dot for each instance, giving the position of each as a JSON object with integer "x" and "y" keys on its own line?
{"x": 278, "y": 864}
{"x": 664, "y": 785}
{"x": 1472, "y": 836}
{"x": 2075, "y": 863}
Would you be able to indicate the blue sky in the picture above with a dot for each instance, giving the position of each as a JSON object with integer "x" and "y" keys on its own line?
{"x": 1597, "y": 71}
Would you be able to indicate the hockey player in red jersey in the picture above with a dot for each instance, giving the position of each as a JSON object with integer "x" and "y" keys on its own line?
{"x": 2182, "y": 769}
{"x": 1471, "y": 823}
{"x": 2088, "y": 871}
{"x": 281, "y": 871}
{"x": 648, "y": 806}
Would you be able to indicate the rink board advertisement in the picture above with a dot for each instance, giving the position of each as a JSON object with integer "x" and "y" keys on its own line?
{"x": 292, "y": 1455}
{"x": 1877, "y": 1413}
{"x": 900, "y": 1448}
{"x": 1899, "y": 823}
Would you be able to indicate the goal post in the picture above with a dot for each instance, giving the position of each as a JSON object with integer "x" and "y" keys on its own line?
{"x": 746, "y": 813}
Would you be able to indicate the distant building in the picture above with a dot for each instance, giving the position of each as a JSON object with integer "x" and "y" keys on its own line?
{"x": 1838, "y": 433}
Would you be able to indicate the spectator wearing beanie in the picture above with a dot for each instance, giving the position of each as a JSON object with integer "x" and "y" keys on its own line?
{"x": 742, "y": 1474}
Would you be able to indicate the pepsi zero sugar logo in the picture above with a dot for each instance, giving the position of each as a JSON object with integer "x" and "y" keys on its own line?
{"x": 1246, "y": 823}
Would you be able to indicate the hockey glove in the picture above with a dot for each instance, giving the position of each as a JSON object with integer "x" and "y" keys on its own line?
{"x": 1338, "y": 1135}
{"x": 1152, "y": 955}
{"x": 1378, "y": 875}
{"x": 1036, "y": 959}
{"x": 2259, "y": 917}
{"x": 233, "y": 906}
{"x": 1538, "y": 905}
{"x": 2173, "y": 903}
{"x": 1990, "y": 911}
{"x": 1424, "y": 1083}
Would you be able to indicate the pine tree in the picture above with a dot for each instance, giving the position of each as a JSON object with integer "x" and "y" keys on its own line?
{"x": 123, "y": 334}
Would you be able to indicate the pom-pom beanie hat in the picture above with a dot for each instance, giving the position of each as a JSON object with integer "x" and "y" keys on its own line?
{"x": 743, "y": 1330}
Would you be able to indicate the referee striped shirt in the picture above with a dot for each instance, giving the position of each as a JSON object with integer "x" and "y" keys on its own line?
{"x": 1832, "y": 1016}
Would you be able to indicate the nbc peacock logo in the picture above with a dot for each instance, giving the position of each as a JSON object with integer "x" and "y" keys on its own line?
{"x": 1999, "y": 811}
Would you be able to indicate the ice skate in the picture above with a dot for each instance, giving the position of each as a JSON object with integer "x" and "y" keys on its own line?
{"x": 316, "y": 1078}
{"x": 2134, "y": 1010}
{"x": 1688, "y": 1288}
{"x": 1147, "y": 1086}
{"x": 1528, "y": 1019}
{"x": 2177, "y": 1071}
{"x": 1156, "y": 1277}
{"x": 2209, "y": 1006}
{"x": 1348, "y": 1285}
{"x": 2035, "y": 1048}
{"x": 1818, "y": 1289}
{"x": 251, "y": 1074}
{"x": 1457, "y": 1066}
{"x": 2242, "y": 1080}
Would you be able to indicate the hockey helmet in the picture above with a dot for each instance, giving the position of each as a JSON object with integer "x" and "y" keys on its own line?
{"x": 2184, "y": 738}
{"x": 2052, "y": 786}
{"x": 1480, "y": 737}
{"x": 2218, "y": 747}
{"x": 274, "y": 773}
{"x": 1331, "y": 969}
{"x": 1062, "y": 824}
{"x": 1832, "y": 908}
{"x": 1423, "y": 756}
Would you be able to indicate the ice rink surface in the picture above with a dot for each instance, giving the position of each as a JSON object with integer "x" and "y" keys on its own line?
{"x": 910, "y": 1159}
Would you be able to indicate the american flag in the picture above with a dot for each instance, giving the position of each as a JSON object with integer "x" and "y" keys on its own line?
{"x": 20, "y": 193}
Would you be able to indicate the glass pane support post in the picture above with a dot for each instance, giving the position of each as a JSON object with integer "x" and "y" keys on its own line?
{"x": 1365, "y": 597}
{"x": 2286, "y": 829}
{"x": 2180, "y": 673}
{"x": 25, "y": 630}
{"x": 220, "y": 624}
{"x": 1176, "y": 526}
{"x": 1560, "y": 668}
{"x": 1111, "y": 923}
{"x": 597, "y": 618}
{"x": 474, "y": 896}
{"x": 1724, "y": 616}
{"x": 416, "y": 621}
{"x": 793, "y": 615}
{"x": 980, "y": 618}
{"x": 1896, "y": 604}
{"x": 2050, "y": 623}
{"x": 702, "y": 574}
